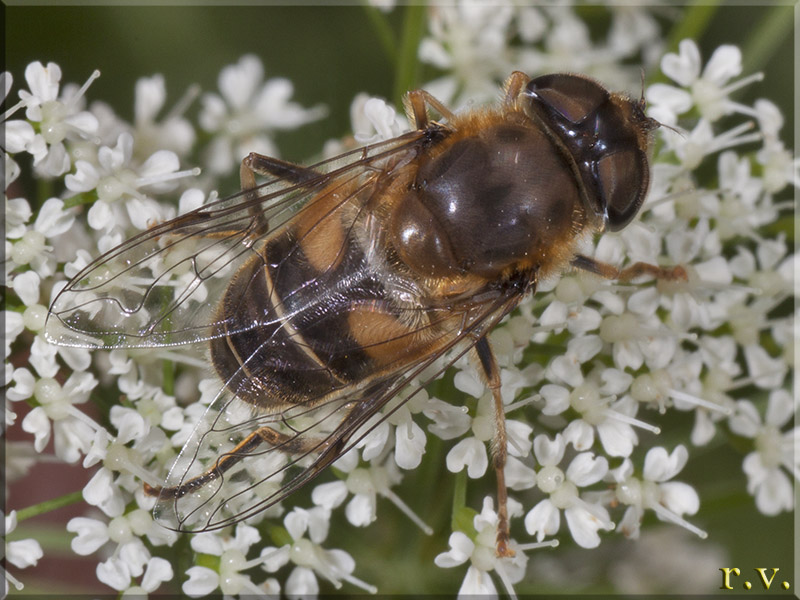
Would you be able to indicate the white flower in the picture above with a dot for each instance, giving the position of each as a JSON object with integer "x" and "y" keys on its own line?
{"x": 173, "y": 133}
{"x": 230, "y": 577}
{"x": 584, "y": 518}
{"x": 307, "y": 530}
{"x": 409, "y": 439}
{"x": 56, "y": 414}
{"x": 481, "y": 552}
{"x": 594, "y": 400}
{"x": 708, "y": 90}
{"x": 668, "y": 499}
{"x": 104, "y": 493}
{"x": 469, "y": 40}
{"x": 20, "y": 553}
{"x": 158, "y": 571}
{"x": 202, "y": 581}
{"x": 774, "y": 449}
{"x": 375, "y": 120}
{"x": 58, "y": 119}
{"x": 30, "y": 247}
{"x": 115, "y": 177}
{"x": 247, "y": 112}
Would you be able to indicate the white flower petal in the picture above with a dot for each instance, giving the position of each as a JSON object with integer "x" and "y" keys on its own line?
{"x": 684, "y": 67}
{"x": 660, "y": 466}
{"x": 43, "y": 82}
{"x": 245, "y": 536}
{"x": 23, "y": 553}
{"x": 409, "y": 445}
{"x": 301, "y": 584}
{"x": 53, "y": 220}
{"x": 518, "y": 475}
{"x": 583, "y": 525}
{"x": 360, "y": 511}
{"x": 101, "y": 491}
{"x": 775, "y": 494}
{"x": 296, "y": 523}
{"x": 679, "y": 497}
{"x": 780, "y": 408}
{"x": 37, "y": 423}
{"x": 556, "y": 399}
{"x": 135, "y": 555}
{"x": 19, "y": 134}
{"x": 150, "y": 94}
{"x": 158, "y": 571}
{"x": 477, "y": 583}
{"x": 91, "y": 535}
{"x": 114, "y": 573}
{"x": 617, "y": 438}
{"x": 274, "y": 558}
{"x": 542, "y": 520}
{"x": 100, "y": 216}
{"x": 469, "y": 453}
{"x": 238, "y": 82}
{"x": 580, "y": 434}
{"x": 586, "y": 469}
{"x": 745, "y": 420}
{"x": 330, "y": 495}
{"x": 725, "y": 63}
{"x": 129, "y": 423}
{"x": 202, "y": 581}
{"x": 26, "y": 286}
{"x": 461, "y": 548}
{"x": 547, "y": 451}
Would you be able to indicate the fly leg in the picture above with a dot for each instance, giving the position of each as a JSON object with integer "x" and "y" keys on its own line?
{"x": 639, "y": 269}
{"x": 499, "y": 444}
{"x": 272, "y": 167}
{"x": 416, "y": 106}
{"x": 513, "y": 87}
{"x": 268, "y": 167}
{"x": 263, "y": 435}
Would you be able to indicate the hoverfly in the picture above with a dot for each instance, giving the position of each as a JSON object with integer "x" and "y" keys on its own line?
{"x": 323, "y": 292}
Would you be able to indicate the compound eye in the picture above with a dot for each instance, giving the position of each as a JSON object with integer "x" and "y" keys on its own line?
{"x": 623, "y": 178}
{"x": 571, "y": 96}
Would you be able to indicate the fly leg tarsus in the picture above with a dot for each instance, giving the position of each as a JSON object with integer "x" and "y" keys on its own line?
{"x": 278, "y": 441}
{"x": 639, "y": 269}
{"x": 272, "y": 167}
{"x": 499, "y": 445}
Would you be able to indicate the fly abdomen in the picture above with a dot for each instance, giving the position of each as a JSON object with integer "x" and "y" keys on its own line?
{"x": 297, "y": 333}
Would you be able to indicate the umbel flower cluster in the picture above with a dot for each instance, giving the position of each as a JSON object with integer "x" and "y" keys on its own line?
{"x": 590, "y": 368}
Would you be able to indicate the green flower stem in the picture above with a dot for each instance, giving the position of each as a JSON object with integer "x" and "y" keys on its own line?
{"x": 168, "y": 374}
{"x": 383, "y": 31}
{"x": 695, "y": 20}
{"x": 460, "y": 491}
{"x": 463, "y": 516}
{"x": 766, "y": 37}
{"x": 407, "y": 63}
{"x": 49, "y": 505}
{"x": 78, "y": 199}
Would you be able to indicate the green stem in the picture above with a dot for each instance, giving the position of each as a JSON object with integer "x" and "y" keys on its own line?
{"x": 168, "y": 374}
{"x": 79, "y": 199}
{"x": 694, "y": 23}
{"x": 407, "y": 63}
{"x": 49, "y": 505}
{"x": 383, "y": 31}
{"x": 460, "y": 491}
{"x": 768, "y": 34}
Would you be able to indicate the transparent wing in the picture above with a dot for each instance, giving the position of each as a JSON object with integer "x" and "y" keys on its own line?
{"x": 160, "y": 287}
{"x": 240, "y": 461}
